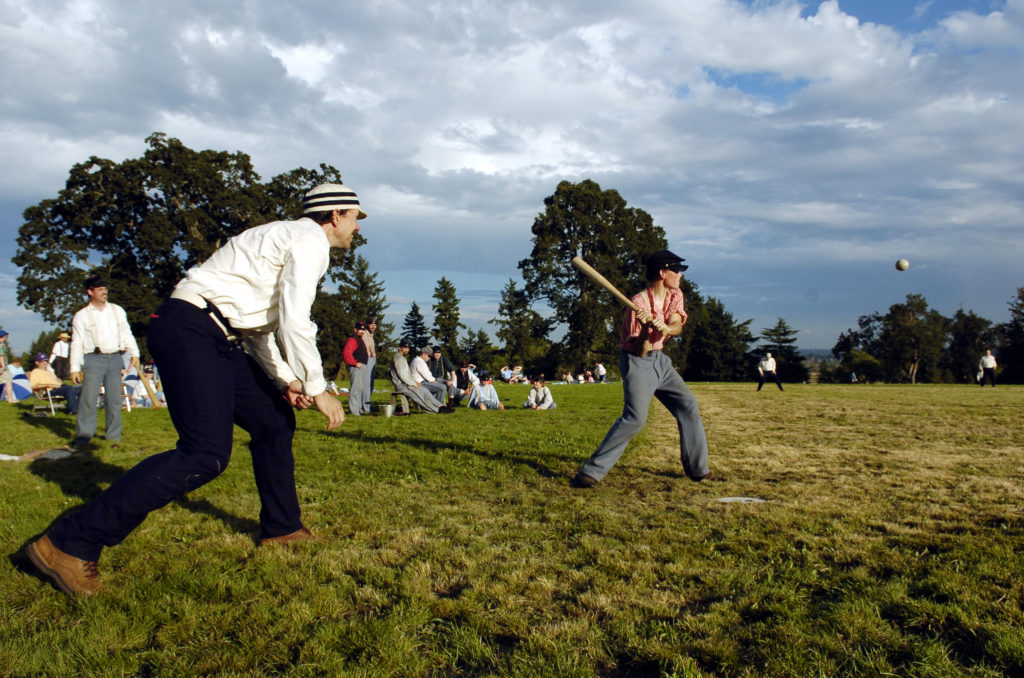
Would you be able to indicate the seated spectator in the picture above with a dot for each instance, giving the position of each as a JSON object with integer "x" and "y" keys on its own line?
{"x": 517, "y": 376}
{"x": 465, "y": 383}
{"x": 589, "y": 376}
{"x": 540, "y": 397}
{"x": 43, "y": 377}
{"x": 442, "y": 369}
{"x": 484, "y": 397}
{"x": 421, "y": 373}
{"x": 404, "y": 384}
{"x": 568, "y": 378}
{"x": 506, "y": 373}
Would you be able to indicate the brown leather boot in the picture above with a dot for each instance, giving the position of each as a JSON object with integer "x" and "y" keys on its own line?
{"x": 301, "y": 534}
{"x": 74, "y": 576}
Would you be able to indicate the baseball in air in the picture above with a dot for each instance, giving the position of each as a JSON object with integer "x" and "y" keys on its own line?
{"x": 902, "y": 264}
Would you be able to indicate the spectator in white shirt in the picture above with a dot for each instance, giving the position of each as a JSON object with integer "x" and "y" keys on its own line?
{"x": 100, "y": 336}
{"x": 421, "y": 373}
{"x": 540, "y": 397}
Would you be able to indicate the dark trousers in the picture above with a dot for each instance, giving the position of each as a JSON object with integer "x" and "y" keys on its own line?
{"x": 990, "y": 374}
{"x": 210, "y": 386}
{"x": 769, "y": 376}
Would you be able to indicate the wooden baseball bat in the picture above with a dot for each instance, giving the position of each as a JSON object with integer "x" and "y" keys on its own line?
{"x": 591, "y": 273}
{"x": 145, "y": 382}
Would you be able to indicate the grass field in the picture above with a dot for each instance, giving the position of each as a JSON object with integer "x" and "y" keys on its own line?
{"x": 890, "y": 544}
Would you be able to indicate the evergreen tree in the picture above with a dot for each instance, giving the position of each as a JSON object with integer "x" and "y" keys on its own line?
{"x": 523, "y": 330}
{"x": 911, "y": 341}
{"x": 720, "y": 349}
{"x": 414, "y": 328}
{"x": 970, "y": 336}
{"x": 582, "y": 220}
{"x": 360, "y": 295}
{"x": 476, "y": 348}
{"x": 447, "y": 317}
{"x": 1011, "y": 355}
{"x": 780, "y": 341}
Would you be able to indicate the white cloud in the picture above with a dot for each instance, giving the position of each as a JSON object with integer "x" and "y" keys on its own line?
{"x": 758, "y": 133}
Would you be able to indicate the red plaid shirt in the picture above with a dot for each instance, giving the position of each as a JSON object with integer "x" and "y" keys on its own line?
{"x": 631, "y": 327}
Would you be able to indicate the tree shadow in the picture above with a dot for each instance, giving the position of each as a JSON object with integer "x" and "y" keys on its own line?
{"x": 432, "y": 445}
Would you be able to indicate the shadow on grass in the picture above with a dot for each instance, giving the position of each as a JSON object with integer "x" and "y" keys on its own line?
{"x": 84, "y": 475}
{"x": 430, "y": 445}
{"x": 61, "y": 425}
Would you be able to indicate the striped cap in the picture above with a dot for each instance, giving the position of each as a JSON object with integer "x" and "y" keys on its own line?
{"x": 327, "y": 197}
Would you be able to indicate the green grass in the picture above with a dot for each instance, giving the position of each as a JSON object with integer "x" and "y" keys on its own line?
{"x": 890, "y": 544}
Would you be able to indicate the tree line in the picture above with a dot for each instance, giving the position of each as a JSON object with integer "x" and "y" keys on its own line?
{"x": 143, "y": 222}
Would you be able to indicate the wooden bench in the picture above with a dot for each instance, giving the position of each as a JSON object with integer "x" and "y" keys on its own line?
{"x": 395, "y": 397}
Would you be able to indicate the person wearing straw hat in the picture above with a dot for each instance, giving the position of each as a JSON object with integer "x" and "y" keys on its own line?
{"x": 256, "y": 291}
{"x": 59, "y": 356}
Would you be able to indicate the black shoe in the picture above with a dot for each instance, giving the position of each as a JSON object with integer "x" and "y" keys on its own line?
{"x": 444, "y": 409}
{"x": 582, "y": 481}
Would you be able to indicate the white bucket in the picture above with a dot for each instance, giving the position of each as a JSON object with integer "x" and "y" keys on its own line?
{"x": 389, "y": 410}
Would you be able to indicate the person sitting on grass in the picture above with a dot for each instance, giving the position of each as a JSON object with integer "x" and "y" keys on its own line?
{"x": 465, "y": 383}
{"x": 484, "y": 397}
{"x": 540, "y": 397}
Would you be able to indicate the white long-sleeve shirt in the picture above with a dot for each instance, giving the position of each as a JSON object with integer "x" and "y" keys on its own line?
{"x": 264, "y": 281}
{"x": 420, "y": 371}
{"x": 541, "y": 397}
{"x": 105, "y": 329}
{"x": 61, "y": 349}
{"x": 766, "y": 365}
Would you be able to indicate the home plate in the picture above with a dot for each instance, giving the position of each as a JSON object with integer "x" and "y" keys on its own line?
{"x": 741, "y": 500}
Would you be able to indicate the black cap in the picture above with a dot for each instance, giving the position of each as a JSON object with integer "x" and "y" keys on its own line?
{"x": 404, "y": 343}
{"x": 664, "y": 259}
{"x": 94, "y": 281}
{"x": 360, "y": 326}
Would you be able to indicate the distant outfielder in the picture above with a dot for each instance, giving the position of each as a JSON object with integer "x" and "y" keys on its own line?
{"x": 647, "y": 372}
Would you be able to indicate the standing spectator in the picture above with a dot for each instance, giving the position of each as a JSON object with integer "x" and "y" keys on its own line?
{"x": 5, "y": 374}
{"x": 987, "y": 365}
{"x": 59, "y": 356}
{"x": 100, "y": 336}
{"x": 540, "y": 397}
{"x": 650, "y": 373}
{"x": 258, "y": 289}
{"x": 601, "y": 372}
{"x": 356, "y": 356}
{"x": 766, "y": 370}
{"x": 371, "y": 359}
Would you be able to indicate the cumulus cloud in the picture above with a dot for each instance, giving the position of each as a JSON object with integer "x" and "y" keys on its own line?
{"x": 767, "y": 137}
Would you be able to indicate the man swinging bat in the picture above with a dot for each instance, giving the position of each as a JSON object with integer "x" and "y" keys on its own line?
{"x": 655, "y": 314}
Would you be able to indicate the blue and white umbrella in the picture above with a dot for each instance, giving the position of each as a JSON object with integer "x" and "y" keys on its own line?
{"x": 21, "y": 387}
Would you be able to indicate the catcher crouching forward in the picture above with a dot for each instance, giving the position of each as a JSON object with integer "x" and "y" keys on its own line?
{"x": 661, "y": 315}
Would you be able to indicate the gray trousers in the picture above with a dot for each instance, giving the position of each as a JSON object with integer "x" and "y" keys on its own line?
{"x": 652, "y": 375}
{"x": 99, "y": 369}
{"x": 371, "y": 362}
{"x": 438, "y": 389}
{"x": 357, "y": 395}
{"x": 419, "y": 396}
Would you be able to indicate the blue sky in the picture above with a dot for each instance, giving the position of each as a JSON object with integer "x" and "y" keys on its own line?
{"x": 791, "y": 150}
